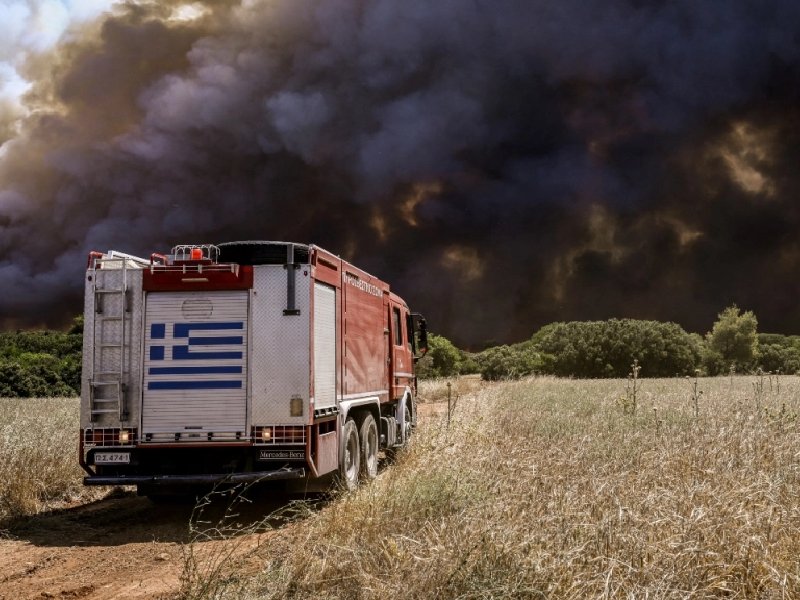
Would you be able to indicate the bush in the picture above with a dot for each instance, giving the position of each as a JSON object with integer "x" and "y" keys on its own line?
{"x": 607, "y": 348}
{"x": 39, "y": 342}
{"x": 713, "y": 363}
{"x": 509, "y": 362}
{"x": 35, "y": 376}
{"x": 12, "y": 379}
{"x": 442, "y": 360}
{"x": 469, "y": 363}
{"x": 41, "y": 363}
{"x": 778, "y": 357}
{"x": 70, "y": 368}
{"x": 734, "y": 339}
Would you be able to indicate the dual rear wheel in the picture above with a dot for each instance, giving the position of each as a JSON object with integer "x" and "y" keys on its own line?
{"x": 359, "y": 451}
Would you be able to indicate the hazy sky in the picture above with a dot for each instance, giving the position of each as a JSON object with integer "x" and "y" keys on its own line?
{"x": 503, "y": 164}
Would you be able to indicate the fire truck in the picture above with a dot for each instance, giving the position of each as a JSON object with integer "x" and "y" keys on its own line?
{"x": 242, "y": 362}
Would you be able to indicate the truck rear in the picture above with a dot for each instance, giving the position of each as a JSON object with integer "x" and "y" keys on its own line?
{"x": 247, "y": 361}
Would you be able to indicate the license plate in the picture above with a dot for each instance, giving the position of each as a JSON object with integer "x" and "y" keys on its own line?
{"x": 112, "y": 458}
{"x": 281, "y": 455}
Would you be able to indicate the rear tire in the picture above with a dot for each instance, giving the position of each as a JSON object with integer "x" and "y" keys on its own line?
{"x": 350, "y": 463}
{"x": 369, "y": 447}
{"x": 406, "y": 427}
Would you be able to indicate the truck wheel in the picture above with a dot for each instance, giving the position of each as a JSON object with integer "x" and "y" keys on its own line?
{"x": 405, "y": 432}
{"x": 408, "y": 425}
{"x": 369, "y": 447}
{"x": 350, "y": 464}
{"x": 409, "y": 422}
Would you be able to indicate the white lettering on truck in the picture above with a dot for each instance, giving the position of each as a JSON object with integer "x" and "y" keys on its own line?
{"x": 364, "y": 286}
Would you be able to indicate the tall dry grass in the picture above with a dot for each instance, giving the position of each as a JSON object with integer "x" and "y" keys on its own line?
{"x": 544, "y": 488}
{"x": 436, "y": 390}
{"x": 38, "y": 454}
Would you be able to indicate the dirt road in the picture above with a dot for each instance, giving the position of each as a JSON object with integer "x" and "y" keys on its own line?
{"x": 118, "y": 547}
{"x": 124, "y": 546}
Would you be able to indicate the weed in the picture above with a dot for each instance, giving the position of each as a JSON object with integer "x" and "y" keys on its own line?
{"x": 696, "y": 392}
{"x": 210, "y": 570}
{"x": 629, "y": 402}
{"x": 758, "y": 390}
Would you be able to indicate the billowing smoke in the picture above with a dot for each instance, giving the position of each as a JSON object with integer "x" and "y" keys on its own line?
{"x": 502, "y": 163}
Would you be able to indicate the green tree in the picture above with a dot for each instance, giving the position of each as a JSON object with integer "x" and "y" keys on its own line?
{"x": 469, "y": 363}
{"x": 41, "y": 363}
{"x": 77, "y": 326}
{"x": 509, "y": 362}
{"x": 607, "y": 348}
{"x": 777, "y": 352}
{"x": 442, "y": 360}
{"x": 13, "y": 379}
{"x": 733, "y": 339}
{"x": 70, "y": 369}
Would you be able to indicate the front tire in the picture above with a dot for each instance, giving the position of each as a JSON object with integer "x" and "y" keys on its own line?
{"x": 405, "y": 430}
{"x": 408, "y": 424}
{"x": 369, "y": 447}
{"x": 350, "y": 463}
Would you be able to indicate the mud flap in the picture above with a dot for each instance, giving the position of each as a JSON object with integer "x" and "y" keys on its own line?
{"x": 327, "y": 452}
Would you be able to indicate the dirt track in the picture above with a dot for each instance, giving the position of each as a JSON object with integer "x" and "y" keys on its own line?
{"x": 118, "y": 547}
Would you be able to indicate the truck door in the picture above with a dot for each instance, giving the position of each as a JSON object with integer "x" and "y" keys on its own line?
{"x": 402, "y": 365}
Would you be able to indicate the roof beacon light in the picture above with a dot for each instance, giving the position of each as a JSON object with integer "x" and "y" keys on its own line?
{"x": 197, "y": 254}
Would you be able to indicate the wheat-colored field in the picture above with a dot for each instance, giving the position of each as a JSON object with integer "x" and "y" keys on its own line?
{"x": 538, "y": 488}
{"x": 544, "y": 488}
{"x": 38, "y": 454}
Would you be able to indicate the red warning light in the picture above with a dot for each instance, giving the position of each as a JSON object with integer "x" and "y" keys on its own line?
{"x": 197, "y": 254}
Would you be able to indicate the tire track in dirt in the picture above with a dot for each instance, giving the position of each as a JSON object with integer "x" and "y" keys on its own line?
{"x": 124, "y": 546}
{"x": 119, "y": 547}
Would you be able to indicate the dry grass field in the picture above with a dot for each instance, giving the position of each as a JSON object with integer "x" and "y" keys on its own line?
{"x": 542, "y": 488}
{"x": 545, "y": 489}
{"x": 38, "y": 455}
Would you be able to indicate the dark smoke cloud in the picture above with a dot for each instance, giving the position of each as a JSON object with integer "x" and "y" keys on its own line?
{"x": 502, "y": 163}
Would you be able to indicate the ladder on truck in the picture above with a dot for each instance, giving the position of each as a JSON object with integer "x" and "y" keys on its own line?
{"x": 110, "y": 344}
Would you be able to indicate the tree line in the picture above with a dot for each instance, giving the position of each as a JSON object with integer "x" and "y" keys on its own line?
{"x": 48, "y": 363}
{"x": 41, "y": 363}
{"x": 598, "y": 349}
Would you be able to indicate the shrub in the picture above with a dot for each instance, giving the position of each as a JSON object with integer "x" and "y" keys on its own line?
{"x": 607, "y": 348}
{"x": 41, "y": 363}
{"x": 509, "y": 362}
{"x": 777, "y": 357}
{"x": 34, "y": 376}
{"x": 734, "y": 338}
{"x": 442, "y": 360}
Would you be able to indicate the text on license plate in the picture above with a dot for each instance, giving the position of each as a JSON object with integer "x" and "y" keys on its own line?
{"x": 112, "y": 458}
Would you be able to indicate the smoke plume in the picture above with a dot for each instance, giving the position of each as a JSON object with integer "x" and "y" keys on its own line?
{"x": 501, "y": 163}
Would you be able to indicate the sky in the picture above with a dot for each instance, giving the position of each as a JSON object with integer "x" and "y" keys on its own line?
{"x": 503, "y": 164}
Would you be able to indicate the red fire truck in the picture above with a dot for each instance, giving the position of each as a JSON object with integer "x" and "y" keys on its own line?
{"x": 245, "y": 361}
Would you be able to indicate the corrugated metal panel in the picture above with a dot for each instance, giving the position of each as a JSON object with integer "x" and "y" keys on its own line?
{"x": 280, "y": 346}
{"x": 324, "y": 345}
{"x": 195, "y": 363}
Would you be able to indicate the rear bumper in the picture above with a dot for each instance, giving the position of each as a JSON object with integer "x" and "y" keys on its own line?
{"x": 195, "y": 479}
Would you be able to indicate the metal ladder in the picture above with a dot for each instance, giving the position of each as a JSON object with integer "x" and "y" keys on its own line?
{"x": 109, "y": 325}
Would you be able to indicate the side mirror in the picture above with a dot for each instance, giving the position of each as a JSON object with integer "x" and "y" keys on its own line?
{"x": 421, "y": 332}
